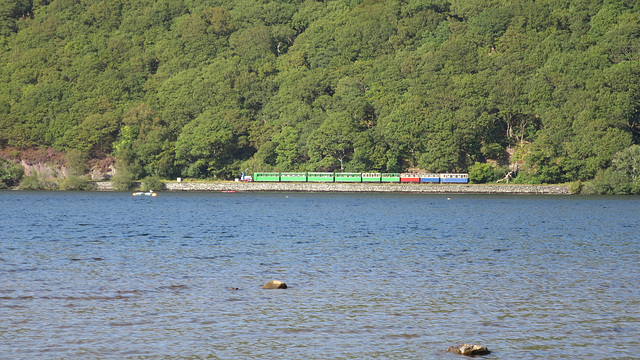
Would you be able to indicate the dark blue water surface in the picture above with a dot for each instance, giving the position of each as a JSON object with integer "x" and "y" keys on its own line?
{"x": 371, "y": 276}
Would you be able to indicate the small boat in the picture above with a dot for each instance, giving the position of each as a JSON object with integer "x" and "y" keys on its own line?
{"x": 149, "y": 193}
{"x": 228, "y": 191}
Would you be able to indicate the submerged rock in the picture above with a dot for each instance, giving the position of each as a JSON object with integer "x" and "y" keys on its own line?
{"x": 469, "y": 350}
{"x": 275, "y": 284}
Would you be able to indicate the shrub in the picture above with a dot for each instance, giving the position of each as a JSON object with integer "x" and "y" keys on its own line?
{"x": 34, "y": 182}
{"x": 123, "y": 180}
{"x": 74, "y": 182}
{"x": 152, "y": 183}
{"x": 589, "y": 188}
{"x": 526, "y": 177}
{"x": 10, "y": 174}
{"x": 610, "y": 182}
{"x": 481, "y": 173}
{"x": 576, "y": 187}
{"x": 29, "y": 182}
{"x": 77, "y": 162}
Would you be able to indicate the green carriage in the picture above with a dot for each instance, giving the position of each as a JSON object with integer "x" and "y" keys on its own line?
{"x": 320, "y": 177}
{"x": 348, "y": 177}
{"x": 293, "y": 177}
{"x": 266, "y": 176}
{"x": 391, "y": 177}
{"x": 371, "y": 177}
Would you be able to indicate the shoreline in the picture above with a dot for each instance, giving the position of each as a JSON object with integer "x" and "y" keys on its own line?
{"x": 359, "y": 187}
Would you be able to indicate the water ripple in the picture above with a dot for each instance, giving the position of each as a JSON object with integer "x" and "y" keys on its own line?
{"x": 98, "y": 275}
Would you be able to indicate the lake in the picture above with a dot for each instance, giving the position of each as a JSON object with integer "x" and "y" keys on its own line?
{"x": 370, "y": 276}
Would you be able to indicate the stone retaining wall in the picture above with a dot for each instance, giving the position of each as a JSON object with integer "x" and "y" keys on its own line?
{"x": 340, "y": 187}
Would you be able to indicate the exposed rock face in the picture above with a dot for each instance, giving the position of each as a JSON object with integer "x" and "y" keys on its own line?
{"x": 469, "y": 350}
{"x": 100, "y": 174}
{"x": 275, "y": 284}
{"x": 44, "y": 170}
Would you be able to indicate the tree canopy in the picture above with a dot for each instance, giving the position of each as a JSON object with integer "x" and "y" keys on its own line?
{"x": 211, "y": 88}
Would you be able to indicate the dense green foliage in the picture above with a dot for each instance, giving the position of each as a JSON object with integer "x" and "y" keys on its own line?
{"x": 75, "y": 182}
{"x": 10, "y": 174}
{"x": 152, "y": 183}
{"x": 209, "y": 88}
{"x": 76, "y": 162}
{"x": 36, "y": 181}
{"x": 480, "y": 173}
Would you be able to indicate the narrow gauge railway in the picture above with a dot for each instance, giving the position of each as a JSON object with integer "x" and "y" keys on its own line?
{"x": 329, "y": 177}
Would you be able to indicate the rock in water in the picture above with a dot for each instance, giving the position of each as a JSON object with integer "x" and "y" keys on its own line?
{"x": 275, "y": 284}
{"x": 469, "y": 350}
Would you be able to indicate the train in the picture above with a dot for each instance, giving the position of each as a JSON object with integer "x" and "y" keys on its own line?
{"x": 345, "y": 177}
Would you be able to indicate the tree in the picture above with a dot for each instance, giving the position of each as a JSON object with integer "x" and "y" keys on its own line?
{"x": 95, "y": 135}
{"x": 621, "y": 39}
{"x": 255, "y": 46}
{"x": 628, "y": 163}
{"x": 481, "y": 173}
{"x": 490, "y": 24}
{"x": 437, "y": 84}
{"x": 10, "y": 11}
{"x": 149, "y": 138}
{"x": 10, "y": 174}
{"x": 369, "y": 152}
{"x": 364, "y": 32}
{"x": 287, "y": 148}
{"x": 508, "y": 96}
{"x": 77, "y": 162}
{"x": 331, "y": 145}
{"x": 219, "y": 20}
{"x": 203, "y": 146}
{"x": 404, "y": 131}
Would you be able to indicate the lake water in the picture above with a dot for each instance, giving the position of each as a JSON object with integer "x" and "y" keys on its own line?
{"x": 370, "y": 276}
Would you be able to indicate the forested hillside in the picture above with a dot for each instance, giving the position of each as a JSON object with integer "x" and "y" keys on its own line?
{"x": 209, "y": 88}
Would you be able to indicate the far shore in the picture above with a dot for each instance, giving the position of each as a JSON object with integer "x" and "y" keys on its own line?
{"x": 358, "y": 187}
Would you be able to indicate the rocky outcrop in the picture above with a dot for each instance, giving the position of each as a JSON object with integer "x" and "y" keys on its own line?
{"x": 44, "y": 170}
{"x": 469, "y": 350}
{"x": 99, "y": 174}
{"x": 275, "y": 284}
